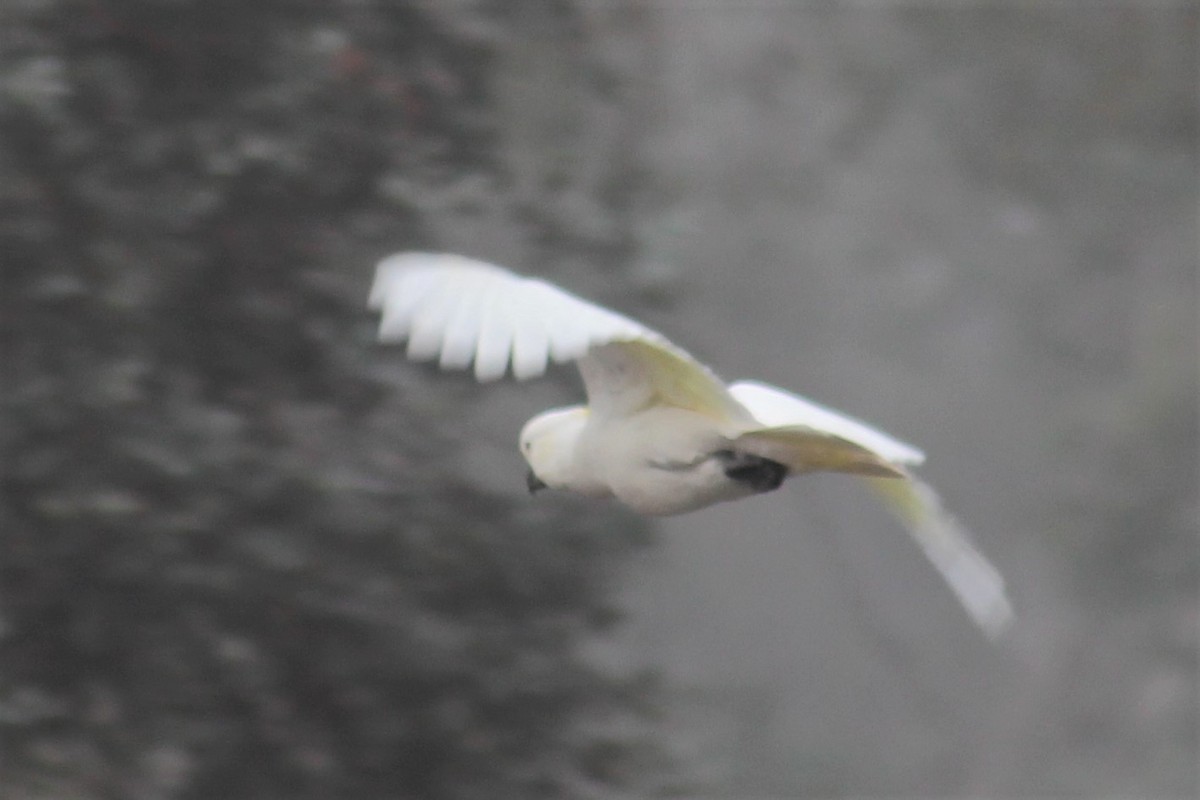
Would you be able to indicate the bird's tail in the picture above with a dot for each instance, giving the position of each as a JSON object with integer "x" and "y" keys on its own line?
{"x": 977, "y": 584}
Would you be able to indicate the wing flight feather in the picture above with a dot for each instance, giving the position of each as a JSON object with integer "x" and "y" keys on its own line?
{"x": 856, "y": 447}
{"x": 774, "y": 407}
{"x": 803, "y": 449}
{"x": 461, "y": 311}
{"x": 494, "y": 345}
{"x": 977, "y": 584}
{"x": 531, "y": 341}
{"x": 462, "y": 333}
{"x": 429, "y": 324}
{"x": 625, "y": 377}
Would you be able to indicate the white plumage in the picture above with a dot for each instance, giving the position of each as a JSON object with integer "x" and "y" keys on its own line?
{"x": 660, "y": 431}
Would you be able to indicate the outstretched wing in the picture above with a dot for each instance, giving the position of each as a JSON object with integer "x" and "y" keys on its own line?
{"x": 775, "y": 408}
{"x": 975, "y": 582}
{"x": 804, "y": 449}
{"x": 462, "y": 311}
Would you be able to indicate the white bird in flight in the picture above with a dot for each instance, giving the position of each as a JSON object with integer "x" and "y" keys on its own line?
{"x": 660, "y": 432}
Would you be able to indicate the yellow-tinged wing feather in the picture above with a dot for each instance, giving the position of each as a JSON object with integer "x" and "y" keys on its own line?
{"x": 856, "y": 447}
{"x": 975, "y": 582}
{"x": 623, "y": 378}
{"x": 803, "y": 449}
{"x": 777, "y": 408}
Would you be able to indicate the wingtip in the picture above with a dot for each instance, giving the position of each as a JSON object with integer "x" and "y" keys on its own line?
{"x": 388, "y": 271}
{"x": 998, "y": 622}
{"x": 974, "y": 580}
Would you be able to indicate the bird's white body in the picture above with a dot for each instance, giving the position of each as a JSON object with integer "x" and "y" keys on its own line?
{"x": 657, "y": 461}
{"x": 660, "y": 433}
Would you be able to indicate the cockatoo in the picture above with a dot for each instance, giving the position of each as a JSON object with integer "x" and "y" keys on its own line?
{"x": 660, "y": 432}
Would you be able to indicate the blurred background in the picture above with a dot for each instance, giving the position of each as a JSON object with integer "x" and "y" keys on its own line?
{"x": 245, "y": 552}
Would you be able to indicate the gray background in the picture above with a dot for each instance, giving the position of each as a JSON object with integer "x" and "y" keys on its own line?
{"x": 247, "y": 552}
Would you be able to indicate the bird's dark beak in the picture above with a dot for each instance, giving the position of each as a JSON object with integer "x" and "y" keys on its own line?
{"x": 534, "y": 482}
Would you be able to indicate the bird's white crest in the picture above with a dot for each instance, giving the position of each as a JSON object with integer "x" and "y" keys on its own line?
{"x": 661, "y": 432}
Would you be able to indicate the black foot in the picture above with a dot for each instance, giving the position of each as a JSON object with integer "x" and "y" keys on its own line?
{"x": 760, "y": 474}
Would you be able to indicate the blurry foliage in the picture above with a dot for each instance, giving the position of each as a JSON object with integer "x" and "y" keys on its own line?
{"x": 228, "y": 568}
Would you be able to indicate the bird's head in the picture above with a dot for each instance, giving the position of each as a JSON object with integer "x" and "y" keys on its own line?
{"x": 548, "y": 445}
